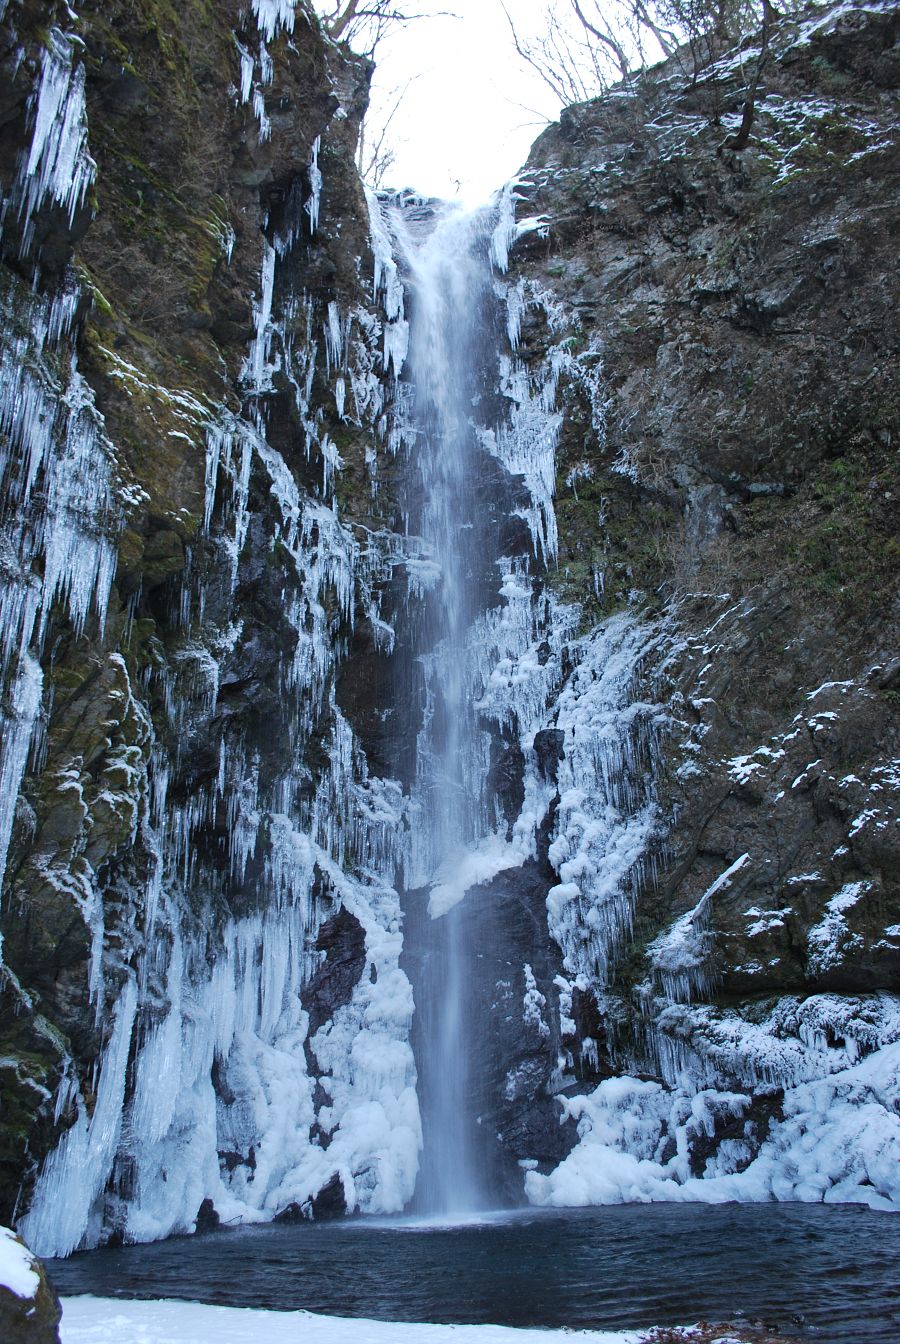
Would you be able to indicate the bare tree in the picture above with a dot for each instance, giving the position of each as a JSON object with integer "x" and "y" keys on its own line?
{"x": 586, "y": 45}
{"x": 364, "y": 24}
{"x": 741, "y": 137}
{"x": 575, "y": 58}
{"x": 375, "y": 153}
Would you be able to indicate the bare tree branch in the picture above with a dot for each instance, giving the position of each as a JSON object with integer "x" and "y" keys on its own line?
{"x": 365, "y": 23}
{"x": 375, "y": 155}
{"x": 606, "y": 38}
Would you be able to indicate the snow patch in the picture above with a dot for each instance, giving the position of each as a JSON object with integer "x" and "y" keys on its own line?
{"x": 17, "y": 1266}
{"x": 97, "y": 1320}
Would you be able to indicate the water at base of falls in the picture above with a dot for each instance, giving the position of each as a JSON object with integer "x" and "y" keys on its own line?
{"x": 826, "y": 1273}
{"x": 445, "y": 256}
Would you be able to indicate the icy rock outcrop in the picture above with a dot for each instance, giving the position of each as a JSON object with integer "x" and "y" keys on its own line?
{"x": 186, "y": 566}
{"x": 761, "y": 950}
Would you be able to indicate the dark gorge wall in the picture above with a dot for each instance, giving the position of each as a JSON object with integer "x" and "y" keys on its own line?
{"x": 194, "y": 421}
{"x": 728, "y": 469}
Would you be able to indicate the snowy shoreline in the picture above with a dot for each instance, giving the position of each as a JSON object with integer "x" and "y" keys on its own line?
{"x": 103, "y": 1320}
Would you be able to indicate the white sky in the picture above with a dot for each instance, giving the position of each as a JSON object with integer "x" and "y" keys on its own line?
{"x": 472, "y": 114}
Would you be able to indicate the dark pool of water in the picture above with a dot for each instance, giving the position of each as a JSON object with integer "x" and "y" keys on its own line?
{"x": 831, "y": 1274}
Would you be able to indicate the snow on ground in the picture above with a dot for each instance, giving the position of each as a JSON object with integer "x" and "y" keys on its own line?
{"x": 17, "y": 1272}
{"x": 103, "y": 1320}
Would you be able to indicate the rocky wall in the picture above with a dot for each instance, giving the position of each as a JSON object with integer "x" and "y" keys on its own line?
{"x": 190, "y": 300}
{"x": 727, "y": 475}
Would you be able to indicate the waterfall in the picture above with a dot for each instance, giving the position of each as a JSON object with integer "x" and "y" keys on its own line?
{"x": 446, "y": 256}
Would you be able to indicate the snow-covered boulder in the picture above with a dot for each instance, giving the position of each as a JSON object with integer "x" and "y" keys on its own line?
{"x": 29, "y": 1307}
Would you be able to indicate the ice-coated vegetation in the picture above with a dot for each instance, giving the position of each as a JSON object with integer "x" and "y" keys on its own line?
{"x": 836, "y": 1138}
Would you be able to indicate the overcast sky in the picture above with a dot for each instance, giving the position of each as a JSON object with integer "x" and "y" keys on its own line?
{"x": 471, "y": 115}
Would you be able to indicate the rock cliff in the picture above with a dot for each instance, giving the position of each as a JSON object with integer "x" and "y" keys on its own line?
{"x": 194, "y": 420}
{"x": 727, "y": 468}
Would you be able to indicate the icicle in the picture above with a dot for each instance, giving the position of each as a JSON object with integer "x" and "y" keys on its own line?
{"x": 273, "y": 15}
{"x": 58, "y": 163}
{"x": 15, "y": 740}
{"x": 80, "y": 561}
{"x": 247, "y": 67}
{"x": 334, "y": 337}
{"x": 53, "y": 442}
{"x": 607, "y": 814}
{"x": 386, "y": 281}
{"x": 515, "y": 308}
{"x": 257, "y": 371}
{"x": 527, "y": 445}
{"x": 259, "y": 111}
{"x": 74, "y": 1175}
{"x": 505, "y": 230}
{"x": 315, "y": 187}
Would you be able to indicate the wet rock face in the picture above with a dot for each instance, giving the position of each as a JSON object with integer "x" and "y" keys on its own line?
{"x": 524, "y": 1058}
{"x": 817, "y": 809}
{"x": 549, "y": 748}
{"x": 342, "y": 940}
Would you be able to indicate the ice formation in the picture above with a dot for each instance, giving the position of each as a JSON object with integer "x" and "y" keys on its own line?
{"x": 838, "y": 1140}
{"x": 208, "y": 999}
{"x": 56, "y": 465}
{"x": 58, "y": 164}
{"x": 607, "y": 813}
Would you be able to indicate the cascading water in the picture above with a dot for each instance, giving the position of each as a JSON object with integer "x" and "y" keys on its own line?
{"x": 449, "y": 277}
